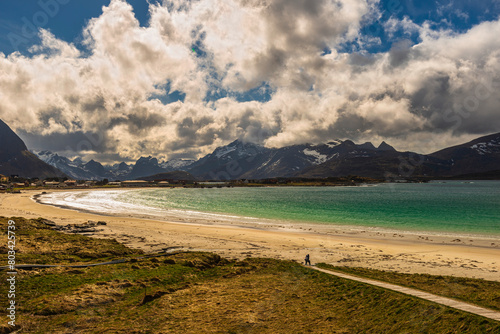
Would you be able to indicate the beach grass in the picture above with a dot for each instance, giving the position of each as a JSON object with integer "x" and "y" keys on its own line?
{"x": 203, "y": 293}
{"x": 475, "y": 291}
{"x": 37, "y": 243}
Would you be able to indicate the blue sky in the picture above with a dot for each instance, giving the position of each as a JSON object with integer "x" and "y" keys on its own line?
{"x": 179, "y": 77}
{"x": 458, "y": 15}
{"x": 67, "y": 18}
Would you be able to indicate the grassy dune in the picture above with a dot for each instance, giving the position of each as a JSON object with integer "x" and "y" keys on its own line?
{"x": 203, "y": 293}
{"x": 475, "y": 291}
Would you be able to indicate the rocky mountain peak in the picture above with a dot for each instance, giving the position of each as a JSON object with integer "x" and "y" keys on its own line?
{"x": 16, "y": 159}
{"x": 11, "y": 143}
{"x": 385, "y": 147}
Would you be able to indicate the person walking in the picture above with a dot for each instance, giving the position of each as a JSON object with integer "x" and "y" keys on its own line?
{"x": 307, "y": 261}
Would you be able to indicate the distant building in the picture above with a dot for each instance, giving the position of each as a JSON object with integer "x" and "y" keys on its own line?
{"x": 114, "y": 183}
{"x": 70, "y": 183}
{"x": 51, "y": 184}
{"x": 213, "y": 184}
{"x": 135, "y": 183}
{"x": 163, "y": 184}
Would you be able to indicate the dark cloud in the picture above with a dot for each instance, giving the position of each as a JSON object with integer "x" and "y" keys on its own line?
{"x": 189, "y": 127}
{"x": 102, "y": 104}
{"x": 348, "y": 125}
{"x": 53, "y": 115}
{"x": 252, "y": 129}
{"x": 434, "y": 96}
{"x": 95, "y": 104}
{"x": 361, "y": 60}
{"x": 400, "y": 52}
{"x": 299, "y": 21}
{"x": 73, "y": 143}
{"x": 142, "y": 121}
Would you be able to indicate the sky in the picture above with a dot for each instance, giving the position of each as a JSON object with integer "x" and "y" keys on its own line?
{"x": 116, "y": 80}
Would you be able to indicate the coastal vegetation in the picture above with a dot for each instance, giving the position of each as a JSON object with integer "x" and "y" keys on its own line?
{"x": 201, "y": 292}
{"x": 475, "y": 291}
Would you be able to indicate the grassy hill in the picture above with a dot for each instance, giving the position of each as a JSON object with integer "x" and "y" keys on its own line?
{"x": 204, "y": 293}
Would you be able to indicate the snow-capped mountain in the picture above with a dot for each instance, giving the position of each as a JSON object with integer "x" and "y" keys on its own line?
{"x": 291, "y": 161}
{"x": 229, "y": 162}
{"x": 93, "y": 170}
{"x": 335, "y": 158}
{"x": 120, "y": 170}
{"x": 145, "y": 166}
{"x": 73, "y": 169}
{"x": 247, "y": 160}
{"x": 477, "y": 156}
{"x": 176, "y": 164}
{"x": 238, "y": 150}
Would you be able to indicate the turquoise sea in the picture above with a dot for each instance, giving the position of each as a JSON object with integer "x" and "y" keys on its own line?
{"x": 450, "y": 207}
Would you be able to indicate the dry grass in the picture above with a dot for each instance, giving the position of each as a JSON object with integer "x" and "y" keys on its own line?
{"x": 37, "y": 243}
{"x": 476, "y": 291}
{"x": 202, "y": 293}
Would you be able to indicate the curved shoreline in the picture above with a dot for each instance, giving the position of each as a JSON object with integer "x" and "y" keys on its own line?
{"x": 224, "y": 218}
{"x": 432, "y": 254}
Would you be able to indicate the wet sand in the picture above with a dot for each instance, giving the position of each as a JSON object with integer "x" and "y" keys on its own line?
{"x": 451, "y": 255}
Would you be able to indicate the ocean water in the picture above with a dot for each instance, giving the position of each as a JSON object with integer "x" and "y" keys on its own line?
{"x": 449, "y": 207}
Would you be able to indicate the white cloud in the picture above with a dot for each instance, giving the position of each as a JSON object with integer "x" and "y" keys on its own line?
{"x": 408, "y": 27}
{"x": 401, "y": 96}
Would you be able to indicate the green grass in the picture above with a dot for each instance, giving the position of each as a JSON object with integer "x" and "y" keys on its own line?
{"x": 203, "y": 293}
{"x": 476, "y": 291}
{"x": 37, "y": 243}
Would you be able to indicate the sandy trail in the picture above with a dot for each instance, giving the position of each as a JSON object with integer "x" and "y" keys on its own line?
{"x": 475, "y": 256}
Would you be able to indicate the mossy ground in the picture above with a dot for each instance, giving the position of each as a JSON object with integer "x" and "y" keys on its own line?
{"x": 203, "y": 293}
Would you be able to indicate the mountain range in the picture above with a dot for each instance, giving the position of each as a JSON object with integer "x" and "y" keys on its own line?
{"x": 342, "y": 158}
{"x": 93, "y": 170}
{"x": 244, "y": 160}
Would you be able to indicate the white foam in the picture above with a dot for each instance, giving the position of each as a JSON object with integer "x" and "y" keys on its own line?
{"x": 108, "y": 202}
{"x": 100, "y": 201}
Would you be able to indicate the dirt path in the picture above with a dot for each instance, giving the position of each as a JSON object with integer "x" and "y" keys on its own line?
{"x": 420, "y": 294}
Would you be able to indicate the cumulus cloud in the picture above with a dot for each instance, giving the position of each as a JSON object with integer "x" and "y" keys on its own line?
{"x": 105, "y": 97}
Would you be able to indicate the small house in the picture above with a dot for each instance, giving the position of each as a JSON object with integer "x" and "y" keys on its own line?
{"x": 135, "y": 183}
{"x": 163, "y": 184}
{"x": 51, "y": 184}
{"x": 70, "y": 183}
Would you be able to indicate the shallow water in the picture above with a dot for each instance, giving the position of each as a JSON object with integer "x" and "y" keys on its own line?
{"x": 450, "y": 207}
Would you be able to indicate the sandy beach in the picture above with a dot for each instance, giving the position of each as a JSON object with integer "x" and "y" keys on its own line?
{"x": 453, "y": 255}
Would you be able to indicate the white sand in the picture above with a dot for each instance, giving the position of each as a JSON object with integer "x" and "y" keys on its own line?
{"x": 475, "y": 256}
